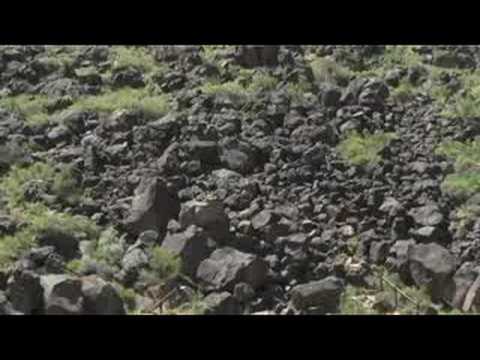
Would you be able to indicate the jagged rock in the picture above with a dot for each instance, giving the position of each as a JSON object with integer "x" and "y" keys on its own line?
{"x": 428, "y": 215}
{"x": 226, "y": 267}
{"x": 152, "y": 207}
{"x": 253, "y": 56}
{"x": 6, "y": 307}
{"x": 208, "y": 215}
{"x": 431, "y": 266}
{"x": 101, "y": 297}
{"x": 190, "y": 245}
{"x": 62, "y": 295}
{"x": 222, "y": 303}
{"x": 324, "y": 295}
{"x": 25, "y": 292}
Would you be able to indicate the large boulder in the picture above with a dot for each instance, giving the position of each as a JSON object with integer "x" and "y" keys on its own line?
{"x": 100, "y": 297}
{"x": 190, "y": 245}
{"x": 25, "y": 292}
{"x": 431, "y": 266}
{"x": 226, "y": 267}
{"x": 323, "y": 295}
{"x": 253, "y": 56}
{"x": 62, "y": 295}
{"x": 152, "y": 207}
{"x": 208, "y": 215}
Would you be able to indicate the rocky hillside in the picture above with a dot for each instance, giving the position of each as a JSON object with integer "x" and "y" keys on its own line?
{"x": 239, "y": 179}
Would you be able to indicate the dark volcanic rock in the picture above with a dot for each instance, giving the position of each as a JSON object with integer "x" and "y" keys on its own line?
{"x": 25, "y": 292}
{"x": 101, "y": 297}
{"x": 190, "y": 245}
{"x": 62, "y": 295}
{"x": 432, "y": 266}
{"x": 208, "y": 215}
{"x": 152, "y": 207}
{"x": 226, "y": 267}
{"x": 324, "y": 295}
{"x": 221, "y": 304}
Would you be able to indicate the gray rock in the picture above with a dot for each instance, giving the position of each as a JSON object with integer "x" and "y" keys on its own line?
{"x": 190, "y": 245}
{"x": 101, "y": 297}
{"x": 25, "y": 292}
{"x": 428, "y": 215}
{"x": 62, "y": 295}
{"x": 207, "y": 215}
{"x": 462, "y": 282}
{"x": 6, "y": 307}
{"x": 243, "y": 292}
{"x": 152, "y": 207}
{"x": 431, "y": 266}
{"x": 221, "y": 304}
{"x": 379, "y": 251}
{"x": 254, "y": 56}
{"x": 226, "y": 267}
{"x": 324, "y": 295}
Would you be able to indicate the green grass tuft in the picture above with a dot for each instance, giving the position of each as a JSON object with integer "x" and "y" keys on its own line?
{"x": 126, "y": 99}
{"x": 360, "y": 149}
{"x": 32, "y": 107}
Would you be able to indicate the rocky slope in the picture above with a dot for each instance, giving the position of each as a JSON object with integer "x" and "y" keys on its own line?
{"x": 238, "y": 179}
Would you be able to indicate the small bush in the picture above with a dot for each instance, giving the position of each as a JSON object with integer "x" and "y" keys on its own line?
{"x": 108, "y": 249}
{"x": 127, "y": 99}
{"x": 164, "y": 265}
{"x": 59, "y": 183}
{"x": 363, "y": 149}
{"x": 404, "y": 92}
{"x": 326, "y": 70}
{"x": 195, "y": 306}
{"x": 133, "y": 56}
{"x": 466, "y": 179}
{"x": 32, "y": 107}
{"x": 401, "y": 55}
{"x": 41, "y": 221}
{"x": 227, "y": 88}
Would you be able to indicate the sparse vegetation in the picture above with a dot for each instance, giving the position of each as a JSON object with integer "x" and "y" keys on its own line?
{"x": 42, "y": 176}
{"x": 163, "y": 264}
{"x": 326, "y": 70}
{"x": 466, "y": 179}
{"x": 133, "y": 56}
{"x": 32, "y": 107}
{"x": 361, "y": 149}
{"x": 127, "y": 99}
{"x": 243, "y": 87}
{"x": 41, "y": 220}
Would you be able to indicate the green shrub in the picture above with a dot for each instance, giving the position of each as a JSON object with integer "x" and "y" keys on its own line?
{"x": 164, "y": 265}
{"x": 133, "y": 56}
{"x": 59, "y": 183}
{"x": 296, "y": 91}
{"x": 215, "y": 87}
{"x": 32, "y": 107}
{"x": 404, "y": 92}
{"x": 360, "y": 149}
{"x": 40, "y": 221}
{"x": 326, "y": 70}
{"x": 196, "y": 306}
{"x": 401, "y": 55}
{"x": 466, "y": 179}
{"x": 127, "y": 99}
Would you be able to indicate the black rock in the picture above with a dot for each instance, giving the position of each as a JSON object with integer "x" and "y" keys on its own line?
{"x": 62, "y": 295}
{"x": 323, "y": 295}
{"x": 152, "y": 207}
{"x": 226, "y": 267}
{"x": 222, "y": 303}
{"x": 190, "y": 245}
{"x": 100, "y": 297}
{"x": 432, "y": 266}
